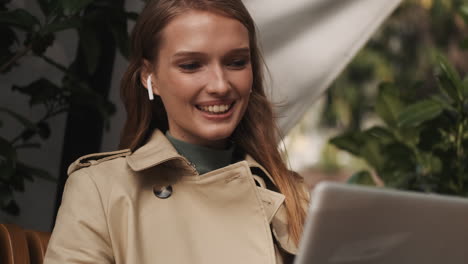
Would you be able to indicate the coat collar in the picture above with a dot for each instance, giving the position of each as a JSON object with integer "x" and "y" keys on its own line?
{"x": 159, "y": 150}
{"x": 254, "y": 164}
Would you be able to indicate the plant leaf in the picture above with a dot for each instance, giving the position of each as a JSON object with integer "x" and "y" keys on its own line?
{"x": 73, "y": 22}
{"x": 40, "y": 43}
{"x": 43, "y": 129}
{"x": 7, "y": 159}
{"x": 399, "y": 157}
{"x": 19, "y": 18}
{"x": 449, "y": 79}
{"x": 361, "y": 177}
{"x": 44, "y": 5}
{"x": 40, "y": 91}
{"x": 447, "y": 88}
{"x": 17, "y": 182}
{"x": 431, "y": 163}
{"x": 398, "y": 179}
{"x": 443, "y": 102}
{"x": 71, "y": 7}
{"x": 8, "y": 38}
{"x": 7, "y": 42}
{"x": 431, "y": 134}
{"x": 465, "y": 88}
{"x": 419, "y": 112}
{"x": 350, "y": 142}
{"x": 12, "y": 208}
{"x": 371, "y": 151}
{"x": 55, "y": 8}
{"x": 361, "y": 144}
{"x": 24, "y": 121}
{"x": 389, "y": 105}
{"x": 382, "y": 134}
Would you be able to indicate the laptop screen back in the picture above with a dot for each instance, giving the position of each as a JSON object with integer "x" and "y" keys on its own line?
{"x": 354, "y": 224}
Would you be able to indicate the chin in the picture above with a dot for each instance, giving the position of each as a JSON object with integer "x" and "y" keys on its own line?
{"x": 218, "y": 134}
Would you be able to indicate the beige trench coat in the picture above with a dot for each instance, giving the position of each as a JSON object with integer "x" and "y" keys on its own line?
{"x": 110, "y": 212}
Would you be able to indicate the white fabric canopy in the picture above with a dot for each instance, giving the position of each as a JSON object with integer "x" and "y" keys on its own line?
{"x": 307, "y": 43}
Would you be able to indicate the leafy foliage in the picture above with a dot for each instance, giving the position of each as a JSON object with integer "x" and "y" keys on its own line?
{"x": 423, "y": 145}
{"x": 401, "y": 51}
{"x": 417, "y": 128}
{"x": 39, "y": 33}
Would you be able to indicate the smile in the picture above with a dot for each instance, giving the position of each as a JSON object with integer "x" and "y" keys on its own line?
{"x": 215, "y": 109}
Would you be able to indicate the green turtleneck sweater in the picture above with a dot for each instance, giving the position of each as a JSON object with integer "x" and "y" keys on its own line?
{"x": 205, "y": 159}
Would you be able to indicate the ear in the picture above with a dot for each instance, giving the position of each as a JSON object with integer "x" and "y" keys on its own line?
{"x": 147, "y": 72}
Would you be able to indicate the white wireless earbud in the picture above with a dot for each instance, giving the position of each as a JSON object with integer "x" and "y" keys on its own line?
{"x": 150, "y": 88}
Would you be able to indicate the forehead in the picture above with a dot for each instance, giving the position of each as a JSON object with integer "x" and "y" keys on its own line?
{"x": 203, "y": 31}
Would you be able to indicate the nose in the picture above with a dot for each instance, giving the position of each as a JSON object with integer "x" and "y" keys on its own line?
{"x": 218, "y": 83}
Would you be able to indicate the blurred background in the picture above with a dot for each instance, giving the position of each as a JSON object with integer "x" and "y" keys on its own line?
{"x": 404, "y": 51}
{"x": 397, "y": 115}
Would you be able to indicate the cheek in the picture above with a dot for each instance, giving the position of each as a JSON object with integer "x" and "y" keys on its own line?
{"x": 243, "y": 81}
{"x": 175, "y": 86}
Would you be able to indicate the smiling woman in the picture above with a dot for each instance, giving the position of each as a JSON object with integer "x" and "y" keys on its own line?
{"x": 200, "y": 178}
{"x": 203, "y": 75}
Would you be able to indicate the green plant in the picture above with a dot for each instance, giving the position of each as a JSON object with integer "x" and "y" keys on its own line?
{"x": 424, "y": 143}
{"x": 398, "y": 52}
{"x": 26, "y": 34}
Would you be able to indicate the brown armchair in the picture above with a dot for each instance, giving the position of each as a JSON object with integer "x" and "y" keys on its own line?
{"x": 19, "y": 246}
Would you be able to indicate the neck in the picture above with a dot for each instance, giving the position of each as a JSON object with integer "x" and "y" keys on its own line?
{"x": 204, "y": 158}
{"x": 212, "y": 144}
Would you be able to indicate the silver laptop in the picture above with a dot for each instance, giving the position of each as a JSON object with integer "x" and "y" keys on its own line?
{"x": 350, "y": 224}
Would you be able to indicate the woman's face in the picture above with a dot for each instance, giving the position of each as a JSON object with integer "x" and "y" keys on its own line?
{"x": 203, "y": 76}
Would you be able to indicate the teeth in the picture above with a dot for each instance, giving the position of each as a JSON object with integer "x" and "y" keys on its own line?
{"x": 215, "y": 108}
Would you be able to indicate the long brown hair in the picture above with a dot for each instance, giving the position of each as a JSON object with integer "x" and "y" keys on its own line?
{"x": 256, "y": 133}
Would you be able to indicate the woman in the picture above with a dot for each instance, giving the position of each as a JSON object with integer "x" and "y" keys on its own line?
{"x": 200, "y": 179}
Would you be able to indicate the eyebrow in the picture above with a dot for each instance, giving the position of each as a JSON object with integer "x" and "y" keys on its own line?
{"x": 196, "y": 53}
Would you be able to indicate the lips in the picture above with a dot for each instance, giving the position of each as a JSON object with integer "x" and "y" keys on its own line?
{"x": 215, "y": 108}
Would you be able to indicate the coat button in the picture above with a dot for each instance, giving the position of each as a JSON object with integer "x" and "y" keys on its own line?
{"x": 164, "y": 192}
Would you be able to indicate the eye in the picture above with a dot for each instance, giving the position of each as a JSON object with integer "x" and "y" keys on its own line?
{"x": 238, "y": 63}
{"x": 191, "y": 66}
